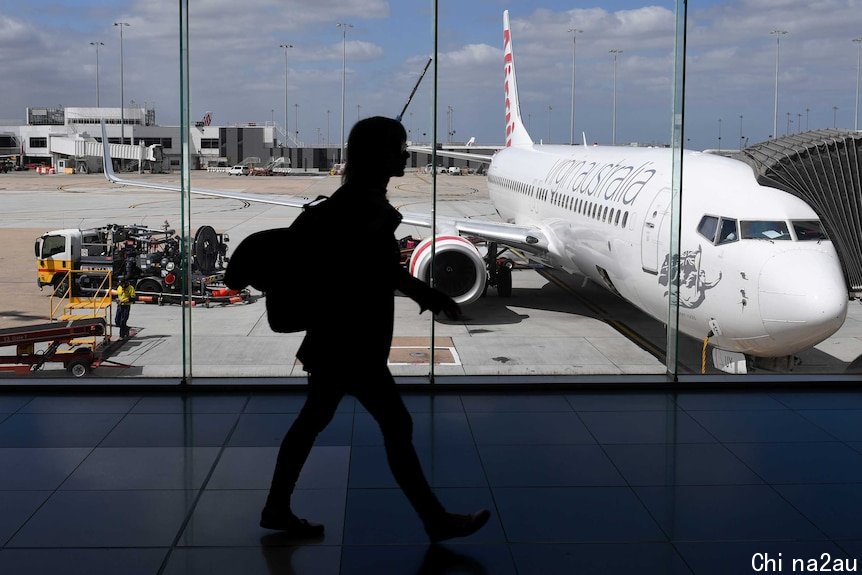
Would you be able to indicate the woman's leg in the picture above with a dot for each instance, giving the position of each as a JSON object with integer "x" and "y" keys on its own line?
{"x": 379, "y": 395}
{"x": 324, "y": 394}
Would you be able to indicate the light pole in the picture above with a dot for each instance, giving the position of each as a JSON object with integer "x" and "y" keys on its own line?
{"x": 835, "y": 117}
{"x": 574, "y": 32}
{"x": 787, "y": 131}
{"x": 778, "y": 34}
{"x": 615, "y": 52}
{"x": 719, "y": 134}
{"x": 98, "y": 98}
{"x": 344, "y": 26}
{"x": 358, "y": 109}
{"x": 409, "y": 130}
{"x": 740, "y": 132}
{"x": 122, "y": 25}
{"x": 798, "y": 122}
{"x": 549, "y": 123}
{"x": 296, "y": 123}
{"x": 858, "y": 42}
{"x": 807, "y": 111}
{"x": 328, "y": 141}
{"x": 450, "y": 122}
{"x": 286, "y": 47}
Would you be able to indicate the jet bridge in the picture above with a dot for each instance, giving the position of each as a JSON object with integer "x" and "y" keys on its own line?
{"x": 823, "y": 168}
{"x": 87, "y": 152}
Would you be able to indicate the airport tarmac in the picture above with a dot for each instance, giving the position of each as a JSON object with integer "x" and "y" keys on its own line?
{"x": 554, "y": 324}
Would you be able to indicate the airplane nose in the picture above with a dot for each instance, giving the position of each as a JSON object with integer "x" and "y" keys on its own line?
{"x": 803, "y": 298}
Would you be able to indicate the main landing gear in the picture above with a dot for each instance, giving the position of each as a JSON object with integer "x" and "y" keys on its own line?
{"x": 499, "y": 271}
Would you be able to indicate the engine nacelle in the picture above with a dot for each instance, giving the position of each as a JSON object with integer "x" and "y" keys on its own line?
{"x": 459, "y": 269}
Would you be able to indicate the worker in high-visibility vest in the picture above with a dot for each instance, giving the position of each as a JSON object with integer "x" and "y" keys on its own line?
{"x": 125, "y": 298}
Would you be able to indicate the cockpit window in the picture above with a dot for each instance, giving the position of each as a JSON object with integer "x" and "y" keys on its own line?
{"x": 727, "y": 231}
{"x": 764, "y": 230}
{"x": 707, "y": 227}
{"x": 809, "y": 230}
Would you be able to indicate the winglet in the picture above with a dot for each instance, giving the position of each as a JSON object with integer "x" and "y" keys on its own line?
{"x": 107, "y": 165}
{"x": 516, "y": 133}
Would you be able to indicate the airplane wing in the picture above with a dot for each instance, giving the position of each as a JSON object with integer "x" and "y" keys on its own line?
{"x": 528, "y": 238}
{"x": 481, "y": 158}
{"x": 291, "y": 202}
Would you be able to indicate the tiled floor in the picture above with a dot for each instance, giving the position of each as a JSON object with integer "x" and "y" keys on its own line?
{"x": 580, "y": 483}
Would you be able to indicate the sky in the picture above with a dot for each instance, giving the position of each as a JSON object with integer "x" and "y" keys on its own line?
{"x": 238, "y": 69}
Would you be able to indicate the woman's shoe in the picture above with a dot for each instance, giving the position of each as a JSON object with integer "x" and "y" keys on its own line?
{"x": 290, "y": 524}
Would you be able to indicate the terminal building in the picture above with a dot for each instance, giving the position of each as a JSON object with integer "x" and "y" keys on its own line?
{"x": 67, "y": 139}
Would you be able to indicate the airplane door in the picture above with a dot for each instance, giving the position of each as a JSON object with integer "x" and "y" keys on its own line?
{"x": 651, "y": 240}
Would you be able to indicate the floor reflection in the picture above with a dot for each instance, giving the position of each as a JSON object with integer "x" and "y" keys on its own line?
{"x": 617, "y": 482}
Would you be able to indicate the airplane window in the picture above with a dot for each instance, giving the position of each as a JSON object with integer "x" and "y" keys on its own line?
{"x": 727, "y": 231}
{"x": 707, "y": 227}
{"x": 764, "y": 230}
{"x": 605, "y": 214}
{"x": 611, "y": 217}
{"x": 809, "y": 230}
{"x": 617, "y": 220}
{"x": 625, "y": 218}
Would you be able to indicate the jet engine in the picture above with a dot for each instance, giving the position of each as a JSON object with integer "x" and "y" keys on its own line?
{"x": 459, "y": 268}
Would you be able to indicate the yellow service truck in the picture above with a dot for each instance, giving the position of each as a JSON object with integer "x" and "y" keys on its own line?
{"x": 150, "y": 258}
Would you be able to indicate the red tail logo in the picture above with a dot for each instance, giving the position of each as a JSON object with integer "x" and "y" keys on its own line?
{"x": 507, "y": 68}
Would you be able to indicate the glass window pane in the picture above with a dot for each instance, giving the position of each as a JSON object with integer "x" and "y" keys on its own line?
{"x": 707, "y": 227}
{"x": 764, "y": 230}
{"x": 727, "y": 232}
{"x": 809, "y": 230}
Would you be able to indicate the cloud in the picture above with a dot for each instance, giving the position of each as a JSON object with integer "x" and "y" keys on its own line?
{"x": 357, "y": 51}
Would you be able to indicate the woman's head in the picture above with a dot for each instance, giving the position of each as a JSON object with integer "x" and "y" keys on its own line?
{"x": 375, "y": 151}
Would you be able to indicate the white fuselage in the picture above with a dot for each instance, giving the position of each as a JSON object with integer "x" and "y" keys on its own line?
{"x": 607, "y": 215}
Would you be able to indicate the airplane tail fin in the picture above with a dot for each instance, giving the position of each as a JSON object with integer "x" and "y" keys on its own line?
{"x": 516, "y": 133}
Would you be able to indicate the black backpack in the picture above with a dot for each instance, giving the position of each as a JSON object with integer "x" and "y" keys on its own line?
{"x": 257, "y": 258}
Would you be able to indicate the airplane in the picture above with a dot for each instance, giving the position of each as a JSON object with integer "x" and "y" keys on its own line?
{"x": 758, "y": 277}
